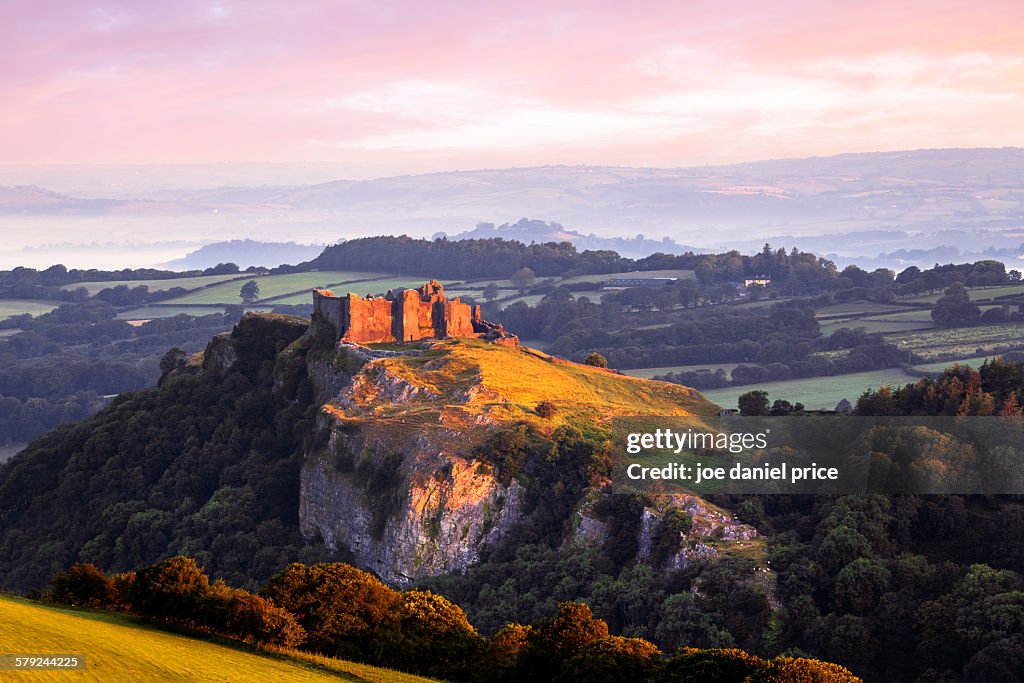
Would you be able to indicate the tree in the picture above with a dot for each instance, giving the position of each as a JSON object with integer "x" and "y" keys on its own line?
{"x": 800, "y": 670}
{"x": 173, "y": 588}
{"x": 523, "y": 279}
{"x": 172, "y": 360}
{"x": 250, "y": 292}
{"x": 83, "y": 585}
{"x": 491, "y": 292}
{"x": 753, "y": 403}
{"x": 428, "y": 634}
{"x": 342, "y": 608}
{"x": 709, "y": 666}
{"x": 955, "y": 309}
{"x": 596, "y": 360}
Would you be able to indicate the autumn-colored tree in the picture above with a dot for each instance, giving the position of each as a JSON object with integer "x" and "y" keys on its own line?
{"x": 83, "y": 585}
{"x": 428, "y": 634}
{"x": 716, "y": 665}
{"x": 239, "y": 614}
{"x": 340, "y": 607}
{"x": 800, "y": 670}
{"x": 172, "y": 589}
{"x": 613, "y": 658}
{"x": 553, "y": 642}
{"x": 596, "y": 360}
{"x": 500, "y": 658}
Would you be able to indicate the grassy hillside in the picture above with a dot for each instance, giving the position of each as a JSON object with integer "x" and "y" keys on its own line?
{"x": 300, "y": 284}
{"x": 469, "y": 375}
{"x": 9, "y": 307}
{"x": 120, "y": 648}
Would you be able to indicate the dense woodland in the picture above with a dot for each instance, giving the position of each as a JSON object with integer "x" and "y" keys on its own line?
{"x": 336, "y": 609}
{"x": 897, "y": 588}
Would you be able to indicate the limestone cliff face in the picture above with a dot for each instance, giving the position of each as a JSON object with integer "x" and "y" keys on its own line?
{"x": 401, "y": 493}
{"x": 392, "y": 473}
{"x": 713, "y": 531}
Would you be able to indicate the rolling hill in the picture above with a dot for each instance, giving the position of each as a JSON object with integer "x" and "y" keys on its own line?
{"x": 121, "y": 648}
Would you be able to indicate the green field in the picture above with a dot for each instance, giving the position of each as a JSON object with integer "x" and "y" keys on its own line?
{"x": 859, "y": 308}
{"x": 157, "y": 285}
{"x": 295, "y": 287}
{"x": 121, "y": 648}
{"x": 961, "y": 342}
{"x": 814, "y": 392}
{"x": 976, "y": 293}
{"x": 943, "y": 364}
{"x": 9, "y": 307}
{"x": 873, "y": 325}
{"x": 647, "y": 373}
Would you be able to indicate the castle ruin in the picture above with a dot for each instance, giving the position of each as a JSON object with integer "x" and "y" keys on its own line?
{"x": 411, "y": 315}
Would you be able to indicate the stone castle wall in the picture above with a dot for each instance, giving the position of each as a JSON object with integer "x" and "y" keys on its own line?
{"x": 422, "y": 313}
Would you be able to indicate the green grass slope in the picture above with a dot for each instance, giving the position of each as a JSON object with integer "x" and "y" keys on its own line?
{"x": 120, "y": 648}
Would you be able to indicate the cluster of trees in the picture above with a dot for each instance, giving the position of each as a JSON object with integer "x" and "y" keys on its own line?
{"x": 336, "y": 609}
{"x": 780, "y": 333}
{"x": 996, "y": 388}
{"x": 56, "y": 283}
{"x": 473, "y": 258}
{"x": 872, "y": 355}
{"x": 898, "y": 588}
{"x": 57, "y": 367}
{"x": 205, "y": 464}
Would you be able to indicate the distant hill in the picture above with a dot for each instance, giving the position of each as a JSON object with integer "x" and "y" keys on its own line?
{"x": 848, "y": 205}
{"x": 116, "y": 647}
{"x": 527, "y": 231}
{"x": 245, "y": 253}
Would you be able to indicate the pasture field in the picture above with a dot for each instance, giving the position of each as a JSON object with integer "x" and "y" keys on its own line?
{"x": 815, "y": 392}
{"x": 150, "y": 312}
{"x": 157, "y": 285}
{"x": 9, "y": 307}
{"x": 120, "y": 648}
{"x": 943, "y": 364}
{"x": 275, "y": 285}
{"x": 873, "y": 325}
{"x": 975, "y": 293}
{"x": 854, "y": 309}
{"x": 961, "y": 342}
{"x": 648, "y": 373}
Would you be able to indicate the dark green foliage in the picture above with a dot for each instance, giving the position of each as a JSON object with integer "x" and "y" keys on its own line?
{"x": 427, "y": 634}
{"x": 546, "y": 409}
{"x": 670, "y": 535}
{"x": 250, "y": 292}
{"x": 754, "y": 403}
{"x": 506, "y": 449}
{"x": 173, "y": 589}
{"x": 690, "y": 665}
{"x": 955, "y": 308}
{"x": 612, "y": 658}
{"x": 84, "y": 585}
{"x": 597, "y": 360}
{"x": 206, "y": 465}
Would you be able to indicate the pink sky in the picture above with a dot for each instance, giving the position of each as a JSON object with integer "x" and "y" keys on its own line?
{"x": 385, "y": 87}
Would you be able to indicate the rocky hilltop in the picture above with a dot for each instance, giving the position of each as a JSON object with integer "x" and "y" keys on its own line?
{"x": 401, "y": 476}
{"x": 278, "y": 444}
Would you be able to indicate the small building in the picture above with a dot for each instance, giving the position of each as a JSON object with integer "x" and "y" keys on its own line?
{"x": 626, "y": 283}
{"x": 757, "y": 281}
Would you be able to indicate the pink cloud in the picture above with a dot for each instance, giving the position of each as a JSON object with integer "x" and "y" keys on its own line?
{"x": 429, "y": 85}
